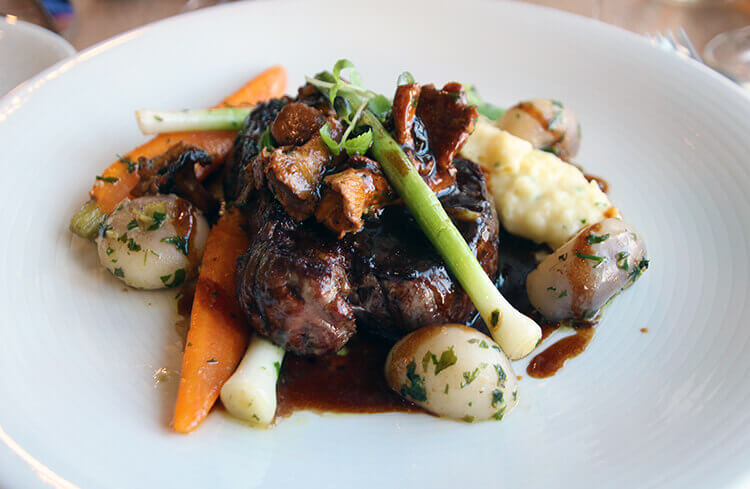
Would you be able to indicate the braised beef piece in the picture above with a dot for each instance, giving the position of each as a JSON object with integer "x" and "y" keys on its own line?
{"x": 305, "y": 289}
{"x": 400, "y": 282}
{"x": 175, "y": 172}
{"x": 247, "y": 146}
{"x": 292, "y": 283}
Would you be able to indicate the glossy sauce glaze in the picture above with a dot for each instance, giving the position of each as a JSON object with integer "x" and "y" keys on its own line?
{"x": 351, "y": 380}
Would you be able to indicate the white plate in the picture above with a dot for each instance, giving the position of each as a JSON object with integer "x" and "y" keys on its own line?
{"x": 26, "y": 49}
{"x": 78, "y": 405}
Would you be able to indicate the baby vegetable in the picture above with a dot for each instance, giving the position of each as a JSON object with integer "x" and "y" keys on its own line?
{"x": 546, "y": 124}
{"x": 250, "y": 393}
{"x": 582, "y": 275}
{"x": 153, "y": 242}
{"x": 218, "y": 336}
{"x": 453, "y": 371}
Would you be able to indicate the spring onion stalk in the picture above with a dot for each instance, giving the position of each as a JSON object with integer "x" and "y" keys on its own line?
{"x": 516, "y": 334}
{"x": 159, "y": 121}
{"x": 250, "y": 393}
{"x": 85, "y": 222}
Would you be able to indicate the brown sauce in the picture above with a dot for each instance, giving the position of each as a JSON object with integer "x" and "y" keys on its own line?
{"x": 351, "y": 383}
{"x": 548, "y": 362}
{"x": 603, "y": 184}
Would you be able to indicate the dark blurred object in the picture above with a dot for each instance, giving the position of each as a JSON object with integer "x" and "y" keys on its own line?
{"x": 32, "y": 11}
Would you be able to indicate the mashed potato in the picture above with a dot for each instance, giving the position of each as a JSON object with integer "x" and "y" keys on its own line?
{"x": 538, "y": 196}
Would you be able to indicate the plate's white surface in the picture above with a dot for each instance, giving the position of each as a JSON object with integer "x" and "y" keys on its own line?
{"x": 25, "y": 50}
{"x": 78, "y": 405}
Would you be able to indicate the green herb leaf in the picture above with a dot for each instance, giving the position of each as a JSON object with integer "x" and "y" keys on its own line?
{"x": 360, "y": 144}
{"x": 132, "y": 165}
{"x": 110, "y": 251}
{"x": 447, "y": 358}
{"x": 133, "y": 246}
{"x": 158, "y": 218}
{"x": 497, "y": 397}
{"x": 469, "y": 377}
{"x": 180, "y": 243}
{"x": 325, "y": 134}
{"x": 494, "y": 318}
{"x": 132, "y": 225}
{"x": 179, "y": 277}
{"x": 592, "y": 238}
{"x": 415, "y": 388}
{"x": 622, "y": 260}
{"x": 564, "y": 293}
{"x": 594, "y": 258}
{"x": 344, "y": 351}
{"x": 498, "y": 416}
{"x": 468, "y": 419}
{"x": 380, "y": 106}
{"x": 277, "y": 366}
{"x": 107, "y": 179}
{"x": 500, "y": 373}
{"x": 118, "y": 272}
{"x": 340, "y": 66}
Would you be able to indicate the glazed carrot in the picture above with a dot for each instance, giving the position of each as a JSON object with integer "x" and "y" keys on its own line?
{"x": 218, "y": 336}
{"x": 108, "y": 192}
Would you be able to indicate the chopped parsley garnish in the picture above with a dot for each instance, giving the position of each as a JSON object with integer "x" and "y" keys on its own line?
{"x": 639, "y": 269}
{"x": 415, "y": 388}
{"x": 132, "y": 225}
{"x": 158, "y": 218}
{"x": 133, "y": 246}
{"x": 593, "y": 238}
{"x": 110, "y": 251}
{"x": 498, "y": 416}
{"x": 564, "y": 293}
{"x": 494, "y": 317}
{"x": 594, "y": 258}
{"x": 500, "y": 373}
{"x": 123, "y": 238}
{"x": 447, "y": 358}
{"x": 132, "y": 165}
{"x": 497, "y": 397}
{"x": 469, "y": 377}
{"x": 622, "y": 260}
{"x": 445, "y": 391}
{"x": 277, "y": 366}
{"x": 179, "y": 242}
{"x": 468, "y": 419}
{"x": 344, "y": 351}
{"x": 107, "y": 179}
{"x": 179, "y": 277}
{"x": 482, "y": 343}
{"x": 118, "y": 272}
{"x": 553, "y": 289}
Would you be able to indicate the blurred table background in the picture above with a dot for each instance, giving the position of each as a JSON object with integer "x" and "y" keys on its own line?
{"x": 86, "y": 22}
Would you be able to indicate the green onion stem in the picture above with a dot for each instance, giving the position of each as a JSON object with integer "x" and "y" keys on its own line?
{"x": 85, "y": 222}
{"x": 223, "y": 119}
{"x": 516, "y": 334}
